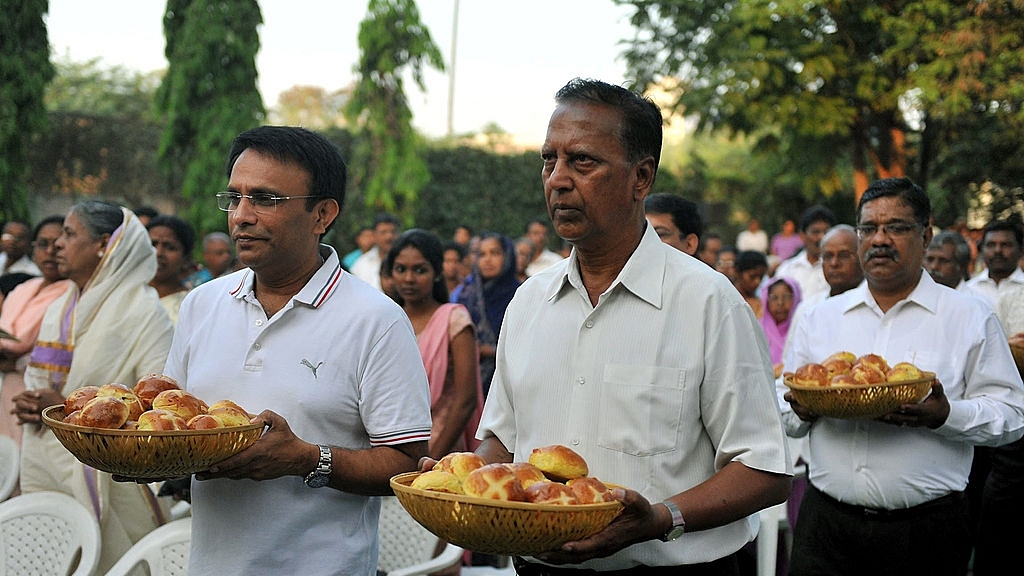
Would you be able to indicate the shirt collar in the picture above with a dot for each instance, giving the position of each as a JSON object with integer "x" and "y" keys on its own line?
{"x": 635, "y": 276}
{"x": 926, "y": 295}
{"x": 319, "y": 288}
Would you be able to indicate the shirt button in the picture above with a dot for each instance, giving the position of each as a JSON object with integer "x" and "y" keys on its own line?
{"x": 259, "y": 322}
{"x": 589, "y": 324}
{"x": 581, "y": 380}
{"x": 575, "y": 442}
{"x": 257, "y": 346}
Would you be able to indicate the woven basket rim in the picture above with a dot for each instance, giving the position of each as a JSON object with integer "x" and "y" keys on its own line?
{"x": 400, "y": 483}
{"x": 54, "y": 415}
{"x": 926, "y": 377}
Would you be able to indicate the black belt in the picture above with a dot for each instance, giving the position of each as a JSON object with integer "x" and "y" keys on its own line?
{"x": 724, "y": 565}
{"x": 950, "y": 499}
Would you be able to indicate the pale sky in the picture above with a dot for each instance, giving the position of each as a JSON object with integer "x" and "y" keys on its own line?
{"x": 511, "y": 57}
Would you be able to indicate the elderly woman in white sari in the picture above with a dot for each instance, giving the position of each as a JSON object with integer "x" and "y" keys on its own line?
{"x": 108, "y": 327}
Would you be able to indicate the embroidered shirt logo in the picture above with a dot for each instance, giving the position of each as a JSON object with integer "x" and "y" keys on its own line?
{"x": 312, "y": 368}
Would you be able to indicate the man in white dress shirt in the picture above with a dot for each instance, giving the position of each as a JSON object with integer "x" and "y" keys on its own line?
{"x": 367, "y": 266}
{"x": 16, "y": 249}
{"x": 948, "y": 259}
{"x": 886, "y": 495}
{"x": 640, "y": 358}
{"x": 805, "y": 266}
{"x": 1001, "y": 250}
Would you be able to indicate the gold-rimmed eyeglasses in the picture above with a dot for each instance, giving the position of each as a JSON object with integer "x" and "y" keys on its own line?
{"x": 260, "y": 201}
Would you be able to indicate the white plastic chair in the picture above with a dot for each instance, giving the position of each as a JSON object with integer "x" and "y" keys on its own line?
{"x": 406, "y": 548}
{"x": 48, "y": 533}
{"x": 10, "y": 462}
{"x": 164, "y": 551}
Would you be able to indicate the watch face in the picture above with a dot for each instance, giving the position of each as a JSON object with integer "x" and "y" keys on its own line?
{"x": 672, "y": 534}
{"x": 314, "y": 480}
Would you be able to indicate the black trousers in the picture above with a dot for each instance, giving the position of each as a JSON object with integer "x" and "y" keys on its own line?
{"x": 836, "y": 539}
{"x": 726, "y": 566}
{"x": 1002, "y": 508}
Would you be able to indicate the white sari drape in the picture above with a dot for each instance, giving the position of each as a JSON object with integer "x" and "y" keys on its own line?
{"x": 113, "y": 330}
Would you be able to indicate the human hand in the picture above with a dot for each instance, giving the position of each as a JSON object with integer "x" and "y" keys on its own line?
{"x": 278, "y": 452}
{"x": 29, "y": 405}
{"x": 634, "y": 524}
{"x": 1017, "y": 339}
{"x": 426, "y": 464}
{"x": 931, "y": 412}
{"x": 804, "y": 413}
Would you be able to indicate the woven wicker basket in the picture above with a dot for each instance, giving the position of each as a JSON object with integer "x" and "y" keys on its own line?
{"x": 850, "y": 401}
{"x": 499, "y": 527}
{"x": 150, "y": 454}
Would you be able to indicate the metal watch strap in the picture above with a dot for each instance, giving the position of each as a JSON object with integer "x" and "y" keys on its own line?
{"x": 678, "y": 524}
{"x": 321, "y": 476}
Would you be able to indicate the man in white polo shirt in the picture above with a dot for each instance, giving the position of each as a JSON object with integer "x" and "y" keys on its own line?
{"x": 330, "y": 364}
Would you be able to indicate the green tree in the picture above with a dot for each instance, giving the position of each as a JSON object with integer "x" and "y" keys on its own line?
{"x": 25, "y": 68}
{"x": 392, "y": 41}
{"x": 208, "y": 96}
{"x": 840, "y": 78}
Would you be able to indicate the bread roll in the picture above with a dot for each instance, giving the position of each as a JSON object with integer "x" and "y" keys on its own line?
{"x": 589, "y": 490}
{"x": 558, "y": 462}
{"x": 157, "y": 419}
{"x": 104, "y": 412}
{"x": 203, "y": 422}
{"x": 182, "y": 403}
{"x": 811, "y": 375}
{"x": 460, "y": 464}
{"x": 438, "y": 481}
{"x": 152, "y": 384}
{"x": 78, "y": 397}
{"x": 495, "y": 482}
{"x": 124, "y": 394}
{"x": 527, "y": 473}
{"x": 548, "y": 492}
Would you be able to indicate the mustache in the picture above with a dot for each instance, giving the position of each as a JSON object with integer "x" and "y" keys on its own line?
{"x": 884, "y": 252}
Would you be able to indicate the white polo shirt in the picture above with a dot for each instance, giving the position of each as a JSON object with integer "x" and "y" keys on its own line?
{"x": 339, "y": 362}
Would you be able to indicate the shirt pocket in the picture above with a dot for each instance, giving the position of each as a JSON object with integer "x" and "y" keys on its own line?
{"x": 640, "y": 409}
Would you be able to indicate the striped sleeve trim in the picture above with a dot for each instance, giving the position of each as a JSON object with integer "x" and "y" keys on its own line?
{"x": 401, "y": 437}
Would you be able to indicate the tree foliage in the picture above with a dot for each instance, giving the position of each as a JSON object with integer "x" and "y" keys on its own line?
{"x": 101, "y": 139}
{"x": 208, "y": 96}
{"x": 310, "y": 106}
{"x": 839, "y": 78}
{"x": 392, "y": 42}
{"x": 25, "y": 68}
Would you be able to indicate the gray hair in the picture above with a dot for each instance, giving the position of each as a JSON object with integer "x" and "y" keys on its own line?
{"x": 98, "y": 217}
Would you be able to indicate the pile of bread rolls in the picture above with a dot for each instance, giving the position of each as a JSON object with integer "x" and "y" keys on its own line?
{"x": 553, "y": 475}
{"x": 844, "y": 368}
{"x": 156, "y": 402}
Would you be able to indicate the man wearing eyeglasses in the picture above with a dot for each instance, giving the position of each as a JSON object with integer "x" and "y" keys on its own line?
{"x": 329, "y": 363}
{"x": 16, "y": 249}
{"x": 886, "y": 494}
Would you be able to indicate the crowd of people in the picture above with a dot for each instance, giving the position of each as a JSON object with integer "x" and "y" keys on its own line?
{"x": 642, "y": 341}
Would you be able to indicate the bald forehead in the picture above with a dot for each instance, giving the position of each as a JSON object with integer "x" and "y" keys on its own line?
{"x": 839, "y": 239}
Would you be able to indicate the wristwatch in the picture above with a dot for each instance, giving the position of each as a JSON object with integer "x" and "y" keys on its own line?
{"x": 319, "y": 477}
{"x": 678, "y": 524}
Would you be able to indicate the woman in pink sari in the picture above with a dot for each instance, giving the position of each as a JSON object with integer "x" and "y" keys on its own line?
{"x": 447, "y": 340}
{"x": 21, "y": 316}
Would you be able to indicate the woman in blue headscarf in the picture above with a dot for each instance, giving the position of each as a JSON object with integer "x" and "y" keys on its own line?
{"x": 486, "y": 293}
